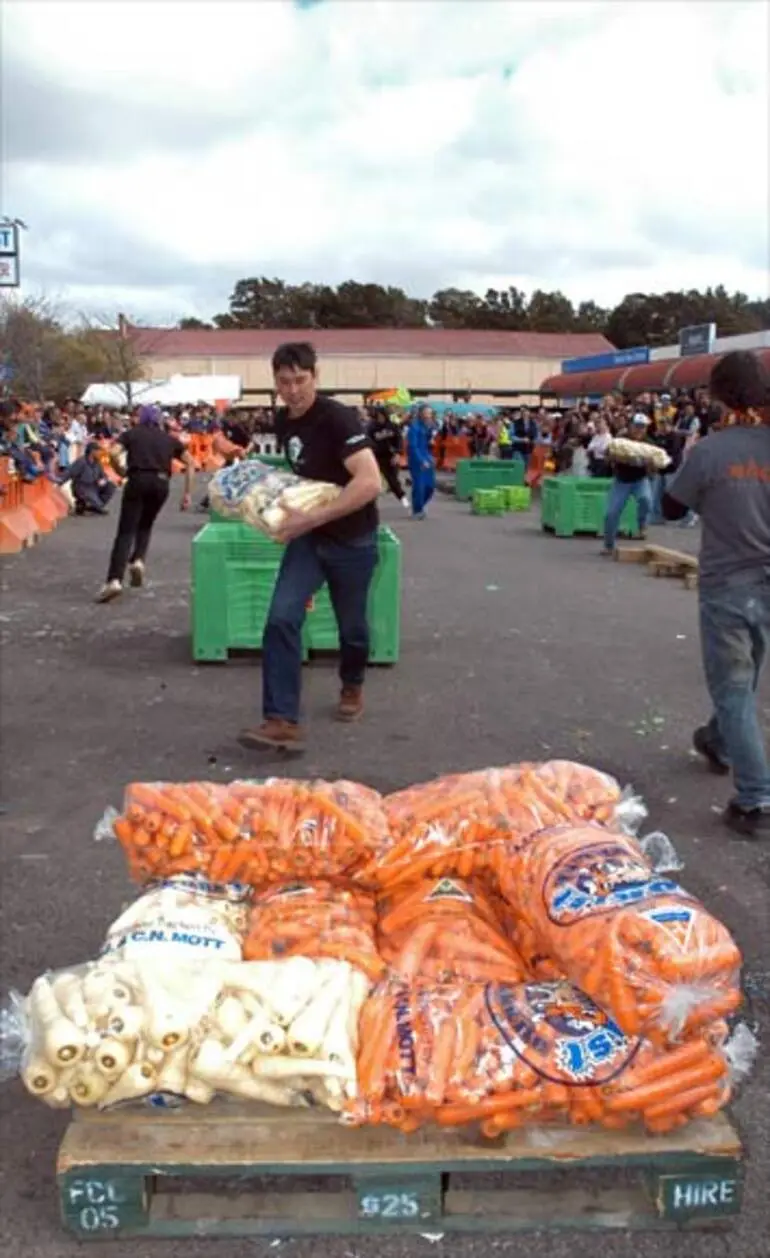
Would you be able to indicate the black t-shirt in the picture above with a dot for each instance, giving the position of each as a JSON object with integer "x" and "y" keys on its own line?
{"x": 385, "y": 438}
{"x": 630, "y": 473}
{"x": 316, "y": 446}
{"x": 236, "y": 433}
{"x": 150, "y": 449}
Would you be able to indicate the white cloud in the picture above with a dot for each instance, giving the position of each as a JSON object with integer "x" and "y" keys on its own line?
{"x": 597, "y": 147}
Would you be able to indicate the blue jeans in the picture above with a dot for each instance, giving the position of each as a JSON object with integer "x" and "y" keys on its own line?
{"x": 619, "y": 494}
{"x": 659, "y": 485}
{"x": 734, "y": 627}
{"x": 308, "y": 563}
{"x": 423, "y": 487}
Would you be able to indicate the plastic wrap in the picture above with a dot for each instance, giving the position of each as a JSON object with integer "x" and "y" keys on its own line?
{"x": 315, "y": 919}
{"x": 253, "y": 832}
{"x": 259, "y": 495}
{"x": 444, "y": 930}
{"x": 589, "y": 905}
{"x": 522, "y": 1055}
{"x": 469, "y": 824}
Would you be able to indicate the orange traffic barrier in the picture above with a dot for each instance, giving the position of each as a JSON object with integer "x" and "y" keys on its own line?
{"x": 18, "y": 526}
{"x": 26, "y": 509}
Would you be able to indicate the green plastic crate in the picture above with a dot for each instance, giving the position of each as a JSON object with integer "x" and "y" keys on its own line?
{"x": 577, "y": 504}
{"x": 517, "y": 497}
{"x": 486, "y": 474}
{"x": 488, "y": 502}
{"x": 384, "y": 608}
{"x": 234, "y": 570}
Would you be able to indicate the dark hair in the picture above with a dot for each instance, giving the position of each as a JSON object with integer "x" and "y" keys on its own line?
{"x": 739, "y": 381}
{"x": 295, "y": 356}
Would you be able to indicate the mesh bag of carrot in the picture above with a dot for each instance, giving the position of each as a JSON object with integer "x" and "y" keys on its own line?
{"x": 509, "y": 1056}
{"x": 444, "y": 930}
{"x": 589, "y": 905}
{"x": 315, "y": 919}
{"x": 251, "y": 832}
{"x": 467, "y": 825}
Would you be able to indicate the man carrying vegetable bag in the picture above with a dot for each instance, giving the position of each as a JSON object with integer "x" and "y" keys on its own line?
{"x": 629, "y": 480}
{"x": 726, "y": 480}
{"x": 335, "y": 544}
{"x": 420, "y": 461}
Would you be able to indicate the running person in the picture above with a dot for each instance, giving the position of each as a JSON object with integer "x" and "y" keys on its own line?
{"x": 149, "y": 455}
{"x": 422, "y": 468}
{"x": 385, "y": 436}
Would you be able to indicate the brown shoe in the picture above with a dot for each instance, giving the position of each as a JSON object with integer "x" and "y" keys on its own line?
{"x": 274, "y": 734}
{"x": 351, "y": 705}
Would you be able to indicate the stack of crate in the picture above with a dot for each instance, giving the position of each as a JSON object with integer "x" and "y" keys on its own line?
{"x": 488, "y": 502}
{"x": 517, "y": 497}
{"x": 234, "y": 570}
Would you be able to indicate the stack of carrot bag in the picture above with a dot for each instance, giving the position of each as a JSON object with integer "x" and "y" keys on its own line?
{"x": 493, "y": 948}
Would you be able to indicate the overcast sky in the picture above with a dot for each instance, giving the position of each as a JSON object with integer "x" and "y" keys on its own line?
{"x": 161, "y": 151}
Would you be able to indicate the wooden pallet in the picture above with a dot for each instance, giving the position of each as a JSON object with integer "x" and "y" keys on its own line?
{"x": 233, "y": 1169}
{"x": 662, "y": 562}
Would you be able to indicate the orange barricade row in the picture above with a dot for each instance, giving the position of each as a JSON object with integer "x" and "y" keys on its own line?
{"x": 26, "y": 510}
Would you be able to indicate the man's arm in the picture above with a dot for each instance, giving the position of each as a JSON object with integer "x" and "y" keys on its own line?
{"x": 364, "y": 487}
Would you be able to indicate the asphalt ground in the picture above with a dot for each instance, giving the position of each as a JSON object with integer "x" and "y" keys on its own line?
{"x": 515, "y": 645}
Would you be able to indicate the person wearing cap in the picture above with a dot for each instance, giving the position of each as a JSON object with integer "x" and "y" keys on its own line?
{"x": 150, "y": 452}
{"x": 629, "y": 480}
{"x": 91, "y": 489}
{"x": 726, "y": 480}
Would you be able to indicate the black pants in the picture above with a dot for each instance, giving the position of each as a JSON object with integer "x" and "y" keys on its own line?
{"x": 143, "y": 497}
{"x": 392, "y": 477}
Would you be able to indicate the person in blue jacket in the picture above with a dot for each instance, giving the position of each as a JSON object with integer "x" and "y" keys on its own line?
{"x": 420, "y": 461}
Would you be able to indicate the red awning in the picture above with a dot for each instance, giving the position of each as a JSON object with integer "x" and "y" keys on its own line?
{"x": 658, "y": 377}
{"x": 584, "y": 383}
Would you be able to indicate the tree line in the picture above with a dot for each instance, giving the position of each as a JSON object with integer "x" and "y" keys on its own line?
{"x": 43, "y": 357}
{"x": 639, "y": 319}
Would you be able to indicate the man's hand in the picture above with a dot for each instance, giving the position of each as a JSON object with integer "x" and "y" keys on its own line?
{"x": 296, "y": 524}
{"x": 186, "y": 502}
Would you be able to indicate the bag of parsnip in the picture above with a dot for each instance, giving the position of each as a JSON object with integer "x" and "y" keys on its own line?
{"x": 170, "y": 1009}
{"x": 259, "y": 495}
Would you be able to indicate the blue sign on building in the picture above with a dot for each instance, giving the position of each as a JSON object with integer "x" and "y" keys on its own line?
{"x": 614, "y": 358}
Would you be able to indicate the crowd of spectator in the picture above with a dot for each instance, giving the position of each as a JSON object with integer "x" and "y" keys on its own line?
{"x": 51, "y": 440}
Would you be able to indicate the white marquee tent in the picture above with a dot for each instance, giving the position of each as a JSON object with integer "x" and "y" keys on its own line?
{"x": 176, "y": 391}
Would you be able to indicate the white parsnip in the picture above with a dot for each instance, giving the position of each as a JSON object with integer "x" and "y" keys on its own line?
{"x": 231, "y": 1017}
{"x": 112, "y": 1058}
{"x": 291, "y": 1068}
{"x": 138, "y": 1080}
{"x": 127, "y": 1023}
{"x": 172, "y": 1076}
{"x": 62, "y": 1042}
{"x": 88, "y": 1087}
{"x": 39, "y": 1077}
{"x": 68, "y": 990}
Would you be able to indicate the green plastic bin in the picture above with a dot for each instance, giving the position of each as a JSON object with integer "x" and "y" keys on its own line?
{"x": 577, "y": 504}
{"x": 234, "y": 570}
{"x": 486, "y": 474}
{"x": 488, "y": 502}
{"x": 517, "y": 497}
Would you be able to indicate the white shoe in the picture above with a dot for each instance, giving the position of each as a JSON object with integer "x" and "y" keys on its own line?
{"x": 110, "y": 591}
{"x": 136, "y": 574}
{"x": 405, "y": 504}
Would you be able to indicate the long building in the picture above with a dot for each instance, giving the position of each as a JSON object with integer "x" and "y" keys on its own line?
{"x": 436, "y": 362}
